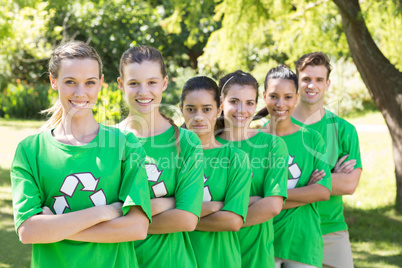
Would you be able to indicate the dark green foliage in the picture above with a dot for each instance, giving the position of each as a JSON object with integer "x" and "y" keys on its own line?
{"x": 24, "y": 100}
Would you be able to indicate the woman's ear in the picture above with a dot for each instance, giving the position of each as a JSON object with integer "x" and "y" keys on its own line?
{"x": 101, "y": 83}
{"x": 53, "y": 82}
{"x": 165, "y": 83}
{"x": 220, "y": 110}
{"x": 120, "y": 82}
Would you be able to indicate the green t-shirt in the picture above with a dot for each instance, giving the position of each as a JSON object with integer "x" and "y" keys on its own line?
{"x": 172, "y": 175}
{"x": 268, "y": 157}
{"x": 69, "y": 178}
{"x": 297, "y": 230}
{"x": 341, "y": 139}
{"x": 227, "y": 178}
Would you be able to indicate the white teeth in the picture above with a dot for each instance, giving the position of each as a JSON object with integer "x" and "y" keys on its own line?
{"x": 144, "y": 101}
{"x": 311, "y": 93}
{"x": 78, "y": 104}
{"x": 240, "y": 117}
{"x": 281, "y": 112}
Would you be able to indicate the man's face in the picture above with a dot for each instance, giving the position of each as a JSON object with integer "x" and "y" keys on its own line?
{"x": 313, "y": 83}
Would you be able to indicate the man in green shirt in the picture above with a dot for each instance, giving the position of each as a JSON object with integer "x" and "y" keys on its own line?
{"x": 342, "y": 150}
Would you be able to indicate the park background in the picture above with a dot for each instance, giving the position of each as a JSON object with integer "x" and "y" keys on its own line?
{"x": 211, "y": 37}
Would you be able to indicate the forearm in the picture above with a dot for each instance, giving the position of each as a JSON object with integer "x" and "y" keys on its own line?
{"x": 263, "y": 210}
{"x": 53, "y": 228}
{"x": 210, "y": 207}
{"x": 172, "y": 221}
{"x": 253, "y": 199}
{"x": 292, "y": 204}
{"x": 131, "y": 227}
{"x": 309, "y": 194}
{"x": 345, "y": 183}
{"x": 162, "y": 204}
{"x": 220, "y": 221}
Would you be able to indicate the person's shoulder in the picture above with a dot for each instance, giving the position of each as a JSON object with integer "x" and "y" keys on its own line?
{"x": 232, "y": 150}
{"x": 187, "y": 136}
{"x": 34, "y": 139}
{"x": 310, "y": 134}
{"x": 341, "y": 122}
{"x": 112, "y": 131}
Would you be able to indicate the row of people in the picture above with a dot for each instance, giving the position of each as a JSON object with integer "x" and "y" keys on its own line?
{"x": 212, "y": 193}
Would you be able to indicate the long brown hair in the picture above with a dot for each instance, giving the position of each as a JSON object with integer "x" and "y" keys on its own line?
{"x": 69, "y": 50}
{"x": 138, "y": 55}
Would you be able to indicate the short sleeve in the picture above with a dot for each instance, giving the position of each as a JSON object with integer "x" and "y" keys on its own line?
{"x": 239, "y": 183}
{"x": 134, "y": 187}
{"x": 275, "y": 183}
{"x": 27, "y": 197}
{"x": 350, "y": 145}
{"x": 190, "y": 187}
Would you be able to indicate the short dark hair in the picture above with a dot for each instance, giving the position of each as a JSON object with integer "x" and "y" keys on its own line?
{"x": 313, "y": 59}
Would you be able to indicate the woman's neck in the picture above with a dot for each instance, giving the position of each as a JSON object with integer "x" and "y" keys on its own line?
{"x": 76, "y": 131}
{"x": 281, "y": 127}
{"x": 208, "y": 141}
{"x": 238, "y": 134}
{"x": 145, "y": 125}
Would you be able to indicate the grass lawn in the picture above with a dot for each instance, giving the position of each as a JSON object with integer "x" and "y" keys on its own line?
{"x": 375, "y": 227}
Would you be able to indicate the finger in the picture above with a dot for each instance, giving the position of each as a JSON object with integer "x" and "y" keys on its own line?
{"x": 349, "y": 162}
{"x": 346, "y": 168}
{"x": 340, "y": 161}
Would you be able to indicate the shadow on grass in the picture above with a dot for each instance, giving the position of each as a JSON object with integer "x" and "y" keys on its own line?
{"x": 376, "y": 235}
{"x": 12, "y": 252}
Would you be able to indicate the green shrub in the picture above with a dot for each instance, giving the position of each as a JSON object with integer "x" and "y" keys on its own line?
{"x": 110, "y": 106}
{"x": 24, "y": 101}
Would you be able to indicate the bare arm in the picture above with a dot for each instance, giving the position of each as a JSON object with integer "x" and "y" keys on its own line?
{"x": 162, "y": 204}
{"x": 345, "y": 183}
{"x": 211, "y": 207}
{"x": 253, "y": 199}
{"x": 263, "y": 210}
{"x": 133, "y": 226}
{"x": 46, "y": 228}
{"x": 172, "y": 221}
{"x": 220, "y": 221}
{"x": 309, "y": 194}
{"x": 293, "y": 204}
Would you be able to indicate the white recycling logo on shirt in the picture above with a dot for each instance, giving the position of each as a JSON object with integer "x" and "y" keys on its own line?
{"x": 153, "y": 173}
{"x": 70, "y": 184}
{"x": 207, "y": 192}
{"x": 295, "y": 173}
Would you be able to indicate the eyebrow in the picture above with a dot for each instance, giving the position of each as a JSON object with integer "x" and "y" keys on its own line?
{"x": 91, "y": 78}
{"x": 190, "y": 105}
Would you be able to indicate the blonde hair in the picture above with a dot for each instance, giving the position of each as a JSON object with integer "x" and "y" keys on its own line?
{"x": 69, "y": 50}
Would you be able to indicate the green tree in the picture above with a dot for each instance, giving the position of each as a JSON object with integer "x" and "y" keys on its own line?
{"x": 338, "y": 27}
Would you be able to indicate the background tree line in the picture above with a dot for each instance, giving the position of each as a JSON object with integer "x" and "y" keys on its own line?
{"x": 211, "y": 37}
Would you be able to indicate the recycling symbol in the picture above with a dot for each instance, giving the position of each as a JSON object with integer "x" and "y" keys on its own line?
{"x": 295, "y": 173}
{"x": 70, "y": 184}
{"x": 153, "y": 173}
{"x": 207, "y": 192}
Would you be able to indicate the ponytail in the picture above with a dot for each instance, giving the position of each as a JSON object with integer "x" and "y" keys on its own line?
{"x": 261, "y": 114}
{"x": 176, "y": 131}
{"x": 57, "y": 113}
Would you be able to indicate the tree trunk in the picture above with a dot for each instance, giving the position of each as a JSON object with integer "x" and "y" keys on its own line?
{"x": 382, "y": 79}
